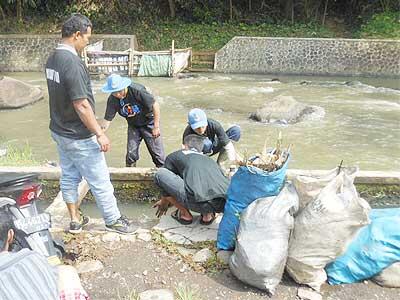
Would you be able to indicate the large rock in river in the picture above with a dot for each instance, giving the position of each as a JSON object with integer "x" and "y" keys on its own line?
{"x": 15, "y": 93}
{"x": 286, "y": 110}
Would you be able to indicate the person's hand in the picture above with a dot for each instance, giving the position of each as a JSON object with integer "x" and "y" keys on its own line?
{"x": 104, "y": 142}
{"x": 155, "y": 132}
{"x": 162, "y": 207}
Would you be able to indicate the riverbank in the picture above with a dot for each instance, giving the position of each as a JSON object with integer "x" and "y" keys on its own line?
{"x": 148, "y": 262}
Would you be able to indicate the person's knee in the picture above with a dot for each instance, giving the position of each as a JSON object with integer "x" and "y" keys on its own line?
{"x": 234, "y": 133}
{"x": 160, "y": 176}
{"x": 208, "y": 146}
{"x": 70, "y": 196}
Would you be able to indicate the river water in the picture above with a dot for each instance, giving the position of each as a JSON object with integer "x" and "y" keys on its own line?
{"x": 361, "y": 125}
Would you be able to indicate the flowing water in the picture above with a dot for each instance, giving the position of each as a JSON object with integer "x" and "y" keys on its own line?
{"x": 361, "y": 125}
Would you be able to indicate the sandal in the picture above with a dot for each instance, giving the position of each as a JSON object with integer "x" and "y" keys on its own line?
{"x": 214, "y": 216}
{"x": 176, "y": 215}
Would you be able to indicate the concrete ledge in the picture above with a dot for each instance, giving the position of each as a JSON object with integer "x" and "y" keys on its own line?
{"x": 147, "y": 174}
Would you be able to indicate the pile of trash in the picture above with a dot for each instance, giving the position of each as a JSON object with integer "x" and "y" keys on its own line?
{"x": 317, "y": 228}
{"x": 269, "y": 160}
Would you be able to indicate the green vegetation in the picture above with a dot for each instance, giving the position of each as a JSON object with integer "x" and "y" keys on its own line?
{"x": 186, "y": 293}
{"x": 383, "y": 25}
{"x": 18, "y": 156}
{"x": 214, "y": 36}
{"x": 208, "y": 24}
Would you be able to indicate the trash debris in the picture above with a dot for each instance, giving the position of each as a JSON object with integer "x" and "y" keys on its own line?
{"x": 262, "y": 245}
{"x": 271, "y": 160}
{"x": 323, "y": 229}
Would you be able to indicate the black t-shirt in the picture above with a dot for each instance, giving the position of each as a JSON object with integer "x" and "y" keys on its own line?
{"x": 138, "y": 100}
{"x": 67, "y": 80}
{"x": 214, "y": 131}
{"x": 203, "y": 177}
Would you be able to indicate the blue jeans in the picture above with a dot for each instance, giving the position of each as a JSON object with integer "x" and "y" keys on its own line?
{"x": 83, "y": 158}
{"x": 215, "y": 147}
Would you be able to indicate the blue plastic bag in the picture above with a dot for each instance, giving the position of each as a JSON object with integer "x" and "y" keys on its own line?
{"x": 248, "y": 184}
{"x": 376, "y": 247}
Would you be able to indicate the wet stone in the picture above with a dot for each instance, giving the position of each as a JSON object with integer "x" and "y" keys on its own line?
{"x": 89, "y": 266}
{"x": 203, "y": 255}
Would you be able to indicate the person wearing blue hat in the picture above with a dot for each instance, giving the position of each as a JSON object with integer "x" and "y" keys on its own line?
{"x": 217, "y": 139}
{"x": 134, "y": 103}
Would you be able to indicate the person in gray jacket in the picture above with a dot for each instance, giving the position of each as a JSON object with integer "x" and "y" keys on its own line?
{"x": 28, "y": 275}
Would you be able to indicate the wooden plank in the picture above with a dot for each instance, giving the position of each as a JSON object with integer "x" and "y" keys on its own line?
{"x": 107, "y": 64}
{"x": 204, "y": 53}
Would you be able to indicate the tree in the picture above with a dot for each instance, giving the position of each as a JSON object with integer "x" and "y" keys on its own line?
{"x": 3, "y": 15}
{"x": 172, "y": 8}
{"x": 19, "y": 6}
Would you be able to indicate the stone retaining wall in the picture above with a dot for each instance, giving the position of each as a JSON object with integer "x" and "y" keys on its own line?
{"x": 307, "y": 56}
{"x": 29, "y": 53}
{"x": 136, "y": 184}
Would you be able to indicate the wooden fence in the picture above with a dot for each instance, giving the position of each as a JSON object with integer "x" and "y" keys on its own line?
{"x": 203, "y": 60}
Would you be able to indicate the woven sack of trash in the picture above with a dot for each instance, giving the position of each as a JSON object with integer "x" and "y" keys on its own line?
{"x": 248, "y": 184}
{"x": 262, "y": 244}
{"x": 323, "y": 229}
{"x": 308, "y": 186}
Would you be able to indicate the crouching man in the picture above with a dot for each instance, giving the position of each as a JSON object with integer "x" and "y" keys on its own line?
{"x": 191, "y": 181}
{"x": 27, "y": 274}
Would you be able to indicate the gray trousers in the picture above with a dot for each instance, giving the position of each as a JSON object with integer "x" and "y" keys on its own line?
{"x": 174, "y": 186}
{"x": 154, "y": 145}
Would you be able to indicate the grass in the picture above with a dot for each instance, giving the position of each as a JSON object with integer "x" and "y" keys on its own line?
{"x": 18, "y": 156}
{"x": 212, "y": 265}
{"x": 184, "y": 292}
{"x": 131, "y": 295}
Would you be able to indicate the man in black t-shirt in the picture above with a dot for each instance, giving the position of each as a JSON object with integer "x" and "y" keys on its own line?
{"x": 81, "y": 142}
{"x": 134, "y": 103}
{"x": 193, "y": 181}
{"x": 216, "y": 139}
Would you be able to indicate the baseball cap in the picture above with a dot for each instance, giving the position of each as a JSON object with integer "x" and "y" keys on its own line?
{"x": 197, "y": 118}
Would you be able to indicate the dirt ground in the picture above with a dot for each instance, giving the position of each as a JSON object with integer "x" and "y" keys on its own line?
{"x": 138, "y": 266}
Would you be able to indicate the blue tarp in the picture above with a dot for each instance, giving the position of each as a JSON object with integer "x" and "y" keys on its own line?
{"x": 376, "y": 247}
{"x": 248, "y": 184}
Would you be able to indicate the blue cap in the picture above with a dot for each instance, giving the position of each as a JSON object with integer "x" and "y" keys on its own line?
{"x": 197, "y": 118}
{"x": 115, "y": 83}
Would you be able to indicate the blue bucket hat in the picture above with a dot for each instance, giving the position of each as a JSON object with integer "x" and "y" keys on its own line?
{"x": 115, "y": 83}
{"x": 197, "y": 118}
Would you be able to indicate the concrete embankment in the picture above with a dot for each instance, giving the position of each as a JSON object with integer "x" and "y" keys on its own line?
{"x": 136, "y": 184}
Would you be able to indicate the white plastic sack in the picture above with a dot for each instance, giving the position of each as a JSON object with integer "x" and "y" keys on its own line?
{"x": 389, "y": 277}
{"x": 323, "y": 229}
{"x": 262, "y": 244}
{"x": 309, "y": 187}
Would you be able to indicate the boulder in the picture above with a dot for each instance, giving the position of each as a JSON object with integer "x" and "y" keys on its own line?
{"x": 286, "y": 110}
{"x": 15, "y": 93}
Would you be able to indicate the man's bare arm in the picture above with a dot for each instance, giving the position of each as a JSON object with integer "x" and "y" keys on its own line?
{"x": 86, "y": 114}
{"x": 156, "y": 113}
